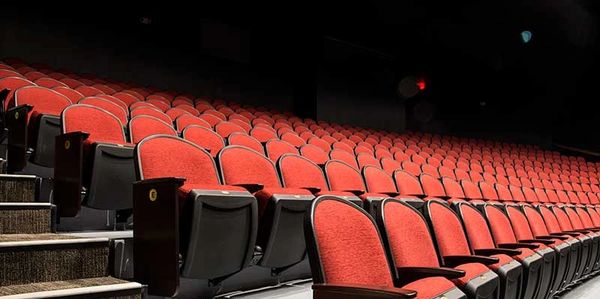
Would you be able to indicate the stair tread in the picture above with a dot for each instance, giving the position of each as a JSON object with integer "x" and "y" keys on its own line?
{"x": 42, "y": 237}
{"x": 65, "y": 285}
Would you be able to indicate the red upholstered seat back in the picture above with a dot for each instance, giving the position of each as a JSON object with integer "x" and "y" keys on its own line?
{"x": 447, "y": 228}
{"x": 109, "y": 106}
{"x": 519, "y": 223}
{"x": 99, "y": 123}
{"x": 226, "y": 128}
{"x": 13, "y": 83}
{"x": 263, "y": 135}
{"x": 204, "y": 138}
{"x": 275, "y": 148}
{"x": 246, "y": 140}
{"x": 89, "y": 91}
{"x": 550, "y": 219}
{"x": 43, "y": 100}
{"x": 48, "y": 82}
{"x": 156, "y": 159}
{"x": 127, "y": 98}
{"x": 143, "y": 126}
{"x": 476, "y": 227}
{"x": 453, "y": 188}
{"x": 377, "y": 180}
{"x": 343, "y": 177}
{"x": 365, "y": 159}
{"x": 72, "y": 94}
{"x": 499, "y": 225}
{"x": 586, "y": 219}
{"x": 407, "y": 184}
{"x": 344, "y": 156}
{"x": 432, "y": 186}
{"x": 185, "y": 120}
{"x": 314, "y": 153}
{"x": 575, "y": 218}
{"x": 408, "y": 236}
{"x": 349, "y": 246}
{"x": 241, "y": 165}
{"x": 471, "y": 190}
{"x": 536, "y": 222}
{"x": 488, "y": 191}
{"x": 152, "y": 112}
{"x": 300, "y": 172}
{"x": 563, "y": 218}
{"x": 390, "y": 165}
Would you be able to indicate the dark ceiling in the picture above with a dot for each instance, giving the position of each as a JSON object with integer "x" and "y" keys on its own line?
{"x": 482, "y": 76}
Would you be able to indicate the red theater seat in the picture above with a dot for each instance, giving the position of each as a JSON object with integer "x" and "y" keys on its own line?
{"x": 143, "y": 126}
{"x": 281, "y": 210}
{"x": 92, "y": 152}
{"x": 352, "y": 265}
{"x": 204, "y": 138}
{"x": 187, "y": 186}
{"x": 33, "y": 124}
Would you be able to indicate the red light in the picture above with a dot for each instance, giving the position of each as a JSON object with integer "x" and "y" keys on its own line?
{"x": 421, "y": 84}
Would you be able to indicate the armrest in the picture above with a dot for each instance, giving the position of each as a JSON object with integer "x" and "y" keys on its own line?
{"x": 68, "y": 172}
{"x": 543, "y": 241}
{"x": 492, "y": 251}
{"x": 455, "y": 260}
{"x": 166, "y": 180}
{"x": 312, "y": 190}
{"x": 518, "y": 245}
{"x": 572, "y": 234}
{"x": 336, "y": 291}
{"x": 251, "y": 187}
{"x": 409, "y": 274}
{"x": 77, "y": 134}
{"x": 390, "y": 194}
{"x": 593, "y": 229}
{"x": 557, "y": 237}
{"x": 3, "y": 94}
{"x": 17, "y": 147}
{"x": 154, "y": 199}
{"x": 24, "y": 107}
{"x": 581, "y": 231}
{"x": 355, "y": 192}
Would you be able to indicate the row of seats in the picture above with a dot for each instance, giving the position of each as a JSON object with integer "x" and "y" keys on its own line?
{"x": 253, "y": 172}
{"x": 451, "y": 249}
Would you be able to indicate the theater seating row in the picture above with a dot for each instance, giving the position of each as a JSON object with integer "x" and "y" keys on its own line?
{"x": 252, "y": 173}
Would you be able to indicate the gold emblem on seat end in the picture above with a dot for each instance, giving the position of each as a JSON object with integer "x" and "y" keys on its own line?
{"x": 153, "y": 195}
{"x": 67, "y": 144}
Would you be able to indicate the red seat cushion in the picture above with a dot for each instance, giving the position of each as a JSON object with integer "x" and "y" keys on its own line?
{"x": 335, "y": 193}
{"x": 525, "y": 253}
{"x": 503, "y": 259}
{"x": 472, "y": 270}
{"x": 187, "y": 188}
{"x": 430, "y": 287}
{"x": 265, "y": 194}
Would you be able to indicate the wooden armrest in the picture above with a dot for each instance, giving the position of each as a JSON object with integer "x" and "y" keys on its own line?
{"x": 518, "y": 245}
{"x": 455, "y": 260}
{"x": 251, "y": 187}
{"x": 409, "y": 274}
{"x": 492, "y": 251}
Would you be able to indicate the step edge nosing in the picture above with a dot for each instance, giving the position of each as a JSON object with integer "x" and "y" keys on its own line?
{"x": 77, "y": 291}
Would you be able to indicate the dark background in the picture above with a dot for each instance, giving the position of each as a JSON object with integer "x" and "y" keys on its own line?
{"x": 342, "y": 62}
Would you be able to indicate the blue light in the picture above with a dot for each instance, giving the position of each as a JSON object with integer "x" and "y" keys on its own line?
{"x": 526, "y": 36}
